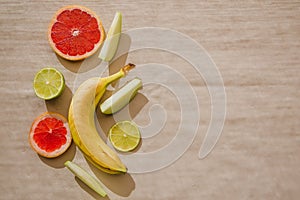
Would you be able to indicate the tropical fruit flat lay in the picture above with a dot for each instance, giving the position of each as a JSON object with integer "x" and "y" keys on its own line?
{"x": 75, "y": 33}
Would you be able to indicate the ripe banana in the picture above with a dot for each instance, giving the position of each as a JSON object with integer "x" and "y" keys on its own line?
{"x": 82, "y": 123}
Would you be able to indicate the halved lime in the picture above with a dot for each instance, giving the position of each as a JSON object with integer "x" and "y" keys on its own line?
{"x": 124, "y": 136}
{"x": 48, "y": 83}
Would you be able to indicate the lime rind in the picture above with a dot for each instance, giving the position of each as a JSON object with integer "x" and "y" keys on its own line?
{"x": 48, "y": 83}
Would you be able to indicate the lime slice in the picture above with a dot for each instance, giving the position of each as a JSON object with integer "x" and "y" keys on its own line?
{"x": 48, "y": 83}
{"x": 124, "y": 136}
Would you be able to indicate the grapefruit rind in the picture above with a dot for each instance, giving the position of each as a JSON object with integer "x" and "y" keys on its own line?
{"x": 43, "y": 152}
{"x": 96, "y": 45}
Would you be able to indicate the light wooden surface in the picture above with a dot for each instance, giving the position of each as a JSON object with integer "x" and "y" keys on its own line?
{"x": 255, "y": 45}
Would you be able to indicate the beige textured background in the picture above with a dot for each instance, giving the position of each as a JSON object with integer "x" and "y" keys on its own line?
{"x": 255, "y": 45}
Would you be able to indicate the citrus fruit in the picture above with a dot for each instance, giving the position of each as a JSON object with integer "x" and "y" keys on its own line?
{"x": 50, "y": 135}
{"x": 124, "y": 136}
{"x": 48, "y": 83}
{"x": 75, "y": 32}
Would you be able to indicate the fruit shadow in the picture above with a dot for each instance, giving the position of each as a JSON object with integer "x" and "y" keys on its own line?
{"x": 81, "y": 66}
{"x": 59, "y": 161}
{"x": 60, "y": 104}
{"x": 129, "y": 112}
{"x": 90, "y": 191}
{"x": 120, "y": 57}
{"x": 120, "y": 184}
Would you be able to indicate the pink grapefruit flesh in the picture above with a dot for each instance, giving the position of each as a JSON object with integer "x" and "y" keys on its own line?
{"x": 50, "y": 135}
{"x": 75, "y": 32}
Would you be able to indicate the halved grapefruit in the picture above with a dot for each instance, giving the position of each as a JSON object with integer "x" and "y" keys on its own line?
{"x": 75, "y": 32}
{"x": 50, "y": 135}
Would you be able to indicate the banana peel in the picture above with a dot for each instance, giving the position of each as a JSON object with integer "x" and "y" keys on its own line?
{"x": 82, "y": 124}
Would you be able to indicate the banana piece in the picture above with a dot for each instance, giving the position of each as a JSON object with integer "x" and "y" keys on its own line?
{"x": 76, "y": 139}
{"x": 82, "y": 124}
{"x": 122, "y": 97}
{"x": 84, "y": 176}
{"x": 110, "y": 45}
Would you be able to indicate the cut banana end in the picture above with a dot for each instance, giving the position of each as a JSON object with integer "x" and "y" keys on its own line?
{"x": 85, "y": 177}
{"x": 122, "y": 97}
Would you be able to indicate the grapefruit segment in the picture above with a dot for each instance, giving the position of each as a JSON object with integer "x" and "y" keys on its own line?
{"x": 75, "y": 32}
{"x": 50, "y": 135}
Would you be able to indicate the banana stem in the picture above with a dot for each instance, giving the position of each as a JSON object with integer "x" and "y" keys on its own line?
{"x": 123, "y": 72}
{"x": 128, "y": 67}
{"x": 109, "y": 79}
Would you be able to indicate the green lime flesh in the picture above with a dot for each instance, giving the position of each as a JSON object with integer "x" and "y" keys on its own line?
{"x": 124, "y": 136}
{"x": 48, "y": 83}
